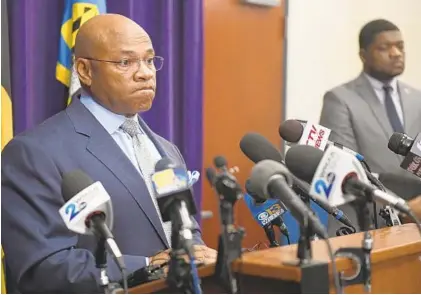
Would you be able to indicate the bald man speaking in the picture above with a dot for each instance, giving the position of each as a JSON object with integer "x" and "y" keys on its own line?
{"x": 101, "y": 134}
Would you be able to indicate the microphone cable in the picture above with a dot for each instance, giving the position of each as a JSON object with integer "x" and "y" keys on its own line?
{"x": 195, "y": 276}
{"x": 377, "y": 183}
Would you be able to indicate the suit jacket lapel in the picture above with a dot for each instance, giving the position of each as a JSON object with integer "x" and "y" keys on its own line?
{"x": 366, "y": 91}
{"x": 102, "y": 146}
{"x": 409, "y": 113}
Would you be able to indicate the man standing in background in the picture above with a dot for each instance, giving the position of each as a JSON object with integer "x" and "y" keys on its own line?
{"x": 366, "y": 111}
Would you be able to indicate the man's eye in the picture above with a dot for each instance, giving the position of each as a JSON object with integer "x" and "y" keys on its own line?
{"x": 149, "y": 61}
{"x": 125, "y": 63}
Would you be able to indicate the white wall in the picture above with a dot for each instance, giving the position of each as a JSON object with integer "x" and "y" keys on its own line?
{"x": 322, "y": 46}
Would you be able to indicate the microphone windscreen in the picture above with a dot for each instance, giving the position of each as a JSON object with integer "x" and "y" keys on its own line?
{"x": 291, "y": 130}
{"x": 261, "y": 175}
{"x": 164, "y": 164}
{"x": 406, "y": 187}
{"x": 73, "y": 183}
{"x": 220, "y": 162}
{"x": 257, "y": 148}
{"x": 302, "y": 161}
{"x": 395, "y": 142}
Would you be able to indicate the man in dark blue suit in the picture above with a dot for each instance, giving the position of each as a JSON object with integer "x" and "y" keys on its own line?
{"x": 116, "y": 65}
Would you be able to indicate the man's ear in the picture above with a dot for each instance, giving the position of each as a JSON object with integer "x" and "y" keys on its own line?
{"x": 84, "y": 71}
{"x": 363, "y": 55}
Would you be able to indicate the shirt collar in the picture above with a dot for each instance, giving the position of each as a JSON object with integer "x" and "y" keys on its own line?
{"x": 109, "y": 120}
{"x": 378, "y": 85}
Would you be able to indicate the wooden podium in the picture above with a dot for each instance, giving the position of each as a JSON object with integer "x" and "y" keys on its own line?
{"x": 396, "y": 266}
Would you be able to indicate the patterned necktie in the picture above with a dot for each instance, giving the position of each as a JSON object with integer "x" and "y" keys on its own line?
{"x": 146, "y": 164}
{"x": 391, "y": 110}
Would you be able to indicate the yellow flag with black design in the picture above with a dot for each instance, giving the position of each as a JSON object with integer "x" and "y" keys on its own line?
{"x": 76, "y": 12}
{"x": 6, "y": 102}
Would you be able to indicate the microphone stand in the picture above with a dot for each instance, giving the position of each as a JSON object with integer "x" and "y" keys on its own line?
{"x": 180, "y": 272}
{"x": 365, "y": 223}
{"x": 229, "y": 246}
{"x": 308, "y": 230}
{"x": 314, "y": 274}
{"x": 270, "y": 233}
{"x": 101, "y": 264}
{"x": 360, "y": 256}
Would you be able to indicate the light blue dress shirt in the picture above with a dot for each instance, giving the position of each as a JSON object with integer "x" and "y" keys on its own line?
{"x": 378, "y": 89}
{"x": 112, "y": 122}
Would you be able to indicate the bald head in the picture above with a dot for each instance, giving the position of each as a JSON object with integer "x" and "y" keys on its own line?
{"x": 115, "y": 62}
{"x": 99, "y": 32}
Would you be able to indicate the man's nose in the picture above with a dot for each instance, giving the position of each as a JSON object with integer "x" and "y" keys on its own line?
{"x": 395, "y": 52}
{"x": 144, "y": 72}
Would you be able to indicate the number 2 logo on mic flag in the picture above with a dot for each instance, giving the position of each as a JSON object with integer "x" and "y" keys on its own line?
{"x": 323, "y": 186}
{"x": 73, "y": 209}
{"x": 335, "y": 166}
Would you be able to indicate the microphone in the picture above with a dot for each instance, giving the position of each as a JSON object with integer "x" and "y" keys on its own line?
{"x": 410, "y": 148}
{"x": 303, "y": 132}
{"x": 257, "y": 148}
{"x": 336, "y": 175}
{"x": 266, "y": 213}
{"x": 270, "y": 178}
{"x": 88, "y": 210}
{"x": 310, "y": 134}
{"x": 175, "y": 201}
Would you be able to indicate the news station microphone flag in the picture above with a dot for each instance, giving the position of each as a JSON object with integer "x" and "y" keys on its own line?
{"x": 76, "y": 13}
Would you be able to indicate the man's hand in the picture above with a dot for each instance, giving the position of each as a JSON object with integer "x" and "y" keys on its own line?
{"x": 204, "y": 254}
{"x": 160, "y": 258}
{"x": 415, "y": 205}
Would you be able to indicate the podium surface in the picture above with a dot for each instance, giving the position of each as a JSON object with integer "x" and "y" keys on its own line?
{"x": 395, "y": 258}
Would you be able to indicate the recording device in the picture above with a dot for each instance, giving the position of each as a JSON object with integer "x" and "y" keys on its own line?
{"x": 230, "y": 239}
{"x": 267, "y": 213}
{"x": 176, "y": 204}
{"x": 410, "y": 148}
{"x": 307, "y": 133}
{"x": 337, "y": 176}
{"x": 88, "y": 211}
{"x": 258, "y": 148}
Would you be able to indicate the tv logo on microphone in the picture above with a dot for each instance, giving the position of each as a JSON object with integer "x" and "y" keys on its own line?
{"x": 73, "y": 209}
{"x": 335, "y": 166}
{"x": 412, "y": 160}
{"x": 270, "y": 214}
{"x": 315, "y": 135}
{"x": 415, "y": 165}
{"x": 324, "y": 186}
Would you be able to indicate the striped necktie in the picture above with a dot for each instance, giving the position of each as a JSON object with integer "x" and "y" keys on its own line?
{"x": 146, "y": 164}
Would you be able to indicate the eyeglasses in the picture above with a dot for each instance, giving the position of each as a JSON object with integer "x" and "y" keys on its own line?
{"x": 133, "y": 65}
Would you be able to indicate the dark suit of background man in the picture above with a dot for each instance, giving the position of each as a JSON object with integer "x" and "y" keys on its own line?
{"x": 364, "y": 112}
{"x": 116, "y": 65}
